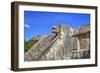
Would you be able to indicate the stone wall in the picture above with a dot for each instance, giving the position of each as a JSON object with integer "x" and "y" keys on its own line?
{"x": 61, "y": 49}
{"x": 59, "y": 45}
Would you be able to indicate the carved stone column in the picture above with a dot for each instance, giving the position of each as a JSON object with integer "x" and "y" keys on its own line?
{"x": 78, "y": 46}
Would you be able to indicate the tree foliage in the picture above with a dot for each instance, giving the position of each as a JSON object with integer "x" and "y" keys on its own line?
{"x": 29, "y": 44}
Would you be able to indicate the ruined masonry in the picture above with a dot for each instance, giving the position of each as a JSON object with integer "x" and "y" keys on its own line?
{"x": 61, "y": 44}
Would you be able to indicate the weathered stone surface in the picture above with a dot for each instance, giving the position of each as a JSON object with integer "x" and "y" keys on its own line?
{"x": 38, "y": 48}
{"x": 61, "y": 49}
{"x": 61, "y": 45}
{"x": 82, "y": 30}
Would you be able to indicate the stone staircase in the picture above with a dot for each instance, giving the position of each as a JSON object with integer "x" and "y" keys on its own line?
{"x": 58, "y": 45}
{"x": 41, "y": 48}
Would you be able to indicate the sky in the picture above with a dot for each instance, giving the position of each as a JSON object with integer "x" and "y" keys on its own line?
{"x": 40, "y": 23}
